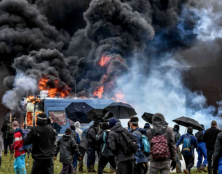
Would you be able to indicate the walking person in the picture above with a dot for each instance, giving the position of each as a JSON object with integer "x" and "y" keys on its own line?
{"x": 125, "y": 162}
{"x": 106, "y": 155}
{"x": 176, "y": 133}
{"x": 140, "y": 159}
{"x": 67, "y": 147}
{"x": 209, "y": 138}
{"x": 7, "y": 135}
{"x": 82, "y": 148}
{"x": 19, "y": 163}
{"x": 189, "y": 144}
{"x": 92, "y": 146}
{"x": 163, "y": 147}
{"x": 201, "y": 150}
{"x": 42, "y": 138}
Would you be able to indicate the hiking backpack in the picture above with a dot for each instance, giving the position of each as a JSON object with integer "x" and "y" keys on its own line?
{"x": 159, "y": 146}
{"x": 128, "y": 143}
{"x": 9, "y": 129}
{"x": 145, "y": 144}
{"x": 186, "y": 144}
{"x": 26, "y": 148}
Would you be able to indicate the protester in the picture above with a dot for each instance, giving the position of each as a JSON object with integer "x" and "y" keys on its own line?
{"x": 78, "y": 129}
{"x": 166, "y": 150}
{"x": 55, "y": 126}
{"x": 82, "y": 148}
{"x": 176, "y": 133}
{"x": 92, "y": 146}
{"x": 106, "y": 155}
{"x": 209, "y": 138}
{"x": 189, "y": 144}
{"x": 7, "y": 135}
{"x": 217, "y": 156}
{"x": 19, "y": 163}
{"x": 76, "y": 137}
{"x": 67, "y": 147}
{"x": 147, "y": 126}
{"x": 125, "y": 162}
{"x": 141, "y": 160}
{"x": 201, "y": 150}
{"x": 42, "y": 138}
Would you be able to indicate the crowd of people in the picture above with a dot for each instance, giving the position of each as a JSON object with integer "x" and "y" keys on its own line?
{"x": 131, "y": 150}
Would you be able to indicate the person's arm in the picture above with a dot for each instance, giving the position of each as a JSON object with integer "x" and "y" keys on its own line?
{"x": 92, "y": 134}
{"x": 75, "y": 148}
{"x": 57, "y": 147}
{"x": 3, "y": 129}
{"x": 30, "y": 137}
{"x": 195, "y": 142}
{"x": 172, "y": 146}
{"x": 112, "y": 142}
{"x": 179, "y": 141}
{"x": 205, "y": 136}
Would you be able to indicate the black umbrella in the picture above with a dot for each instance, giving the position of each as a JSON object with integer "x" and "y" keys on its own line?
{"x": 121, "y": 110}
{"x": 97, "y": 114}
{"x": 147, "y": 117}
{"x": 188, "y": 122}
{"x": 77, "y": 111}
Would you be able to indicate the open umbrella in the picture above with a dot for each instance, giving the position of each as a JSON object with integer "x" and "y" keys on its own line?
{"x": 121, "y": 110}
{"x": 77, "y": 111}
{"x": 188, "y": 122}
{"x": 97, "y": 114}
{"x": 147, "y": 117}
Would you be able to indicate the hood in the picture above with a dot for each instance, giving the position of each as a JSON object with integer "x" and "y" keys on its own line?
{"x": 66, "y": 137}
{"x": 77, "y": 125}
{"x": 118, "y": 128}
{"x": 41, "y": 122}
{"x": 158, "y": 122}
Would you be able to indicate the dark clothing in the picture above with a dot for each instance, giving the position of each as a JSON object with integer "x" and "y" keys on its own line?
{"x": 114, "y": 143}
{"x": 125, "y": 167}
{"x": 42, "y": 138}
{"x": 67, "y": 147}
{"x": 209, "y": 160}
{"x": 218, "y": 150}
{"x": 7, "y": 143}
{"x": 103, "y": 160}
{"x": 189, "y": 161}
{"x": 57, "y": 127}
{"x": 43, "y": 166}
{"x": 210, "y": 137}
{"x": 140, "y": 168}
{"x": 91, "y": 157}
{"x": 4, "y": 130}
{"x": 199, "y": 135}
{"x": 91, "y": 135}
{"x": 67, "y": 169}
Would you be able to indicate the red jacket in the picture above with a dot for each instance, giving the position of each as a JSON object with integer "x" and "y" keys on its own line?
{"x": 18, "y": 142}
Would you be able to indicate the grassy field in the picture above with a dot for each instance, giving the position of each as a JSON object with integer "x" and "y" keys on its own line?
{"x": 7, "y": 165}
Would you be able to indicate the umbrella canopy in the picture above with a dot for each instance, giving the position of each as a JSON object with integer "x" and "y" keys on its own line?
{"x": 121, "y": 110}
{"x": 188, "y": 122}
{"x": 147, "y": 117}
{"x": 97, "y": 114}
{"x": 77, "y": 111}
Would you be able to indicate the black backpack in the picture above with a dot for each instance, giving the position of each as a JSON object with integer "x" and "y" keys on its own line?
{"x": 128, "y": 143}
{"x": 199, "y": 135}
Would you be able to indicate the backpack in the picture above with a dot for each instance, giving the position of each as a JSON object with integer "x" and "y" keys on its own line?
{"x": 9, "y": 129}
{"x": 128, "y": 143}
{"x": 199, "y": 135}
{"x": 145, "y": 144}
{"x": 186, "y": 144}
{"x": 159, "y": 146}
{"x": 26, "y": 148}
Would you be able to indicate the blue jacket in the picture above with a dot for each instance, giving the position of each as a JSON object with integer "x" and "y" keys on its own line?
{"x": 139, "y": 156}
{"x": 193, "y": 144}
{"x": 77, "y": 139}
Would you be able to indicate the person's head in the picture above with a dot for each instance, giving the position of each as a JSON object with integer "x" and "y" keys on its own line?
{"x": 213, "y": 123}
{"x": 72, "y": 126}
{"x": 134, "y": 121}
{"x": 68, "y": 131}
{"x": 96, "y": 124}
{"x": 158, "y": 122}
{"x": 146, "y": 126}
{"x": 190, "y": 130}
{"x": 15, "y": 125}
{"x": 105, "y": 126}
{"x": 202, "y": 126}
{"x": 112, "y": 122}
{"x": 176, "y": 128}
{"x": 51, "y": 120}
{"x": 5, "y": 119}
{"x": 77, "y": 124}
{"x": 42, "y": 119}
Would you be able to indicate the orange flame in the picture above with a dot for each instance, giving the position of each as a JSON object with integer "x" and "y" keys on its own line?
{"x": 119, "y": 96}
{"x": 99, "y": 92}
{"x": 104, "y": 60}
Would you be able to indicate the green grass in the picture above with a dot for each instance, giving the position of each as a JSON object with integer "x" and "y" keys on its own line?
{"x": 7, "y": 165}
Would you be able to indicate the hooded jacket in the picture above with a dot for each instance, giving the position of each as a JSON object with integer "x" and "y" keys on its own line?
{"x": 4, "y": 129}
{"x": 67, "y": 147}
{"x": 114, "y": 143}
{"x": 42, "y": 138}
{"x": 159, "y": 123}
{"x": 91, "y": 136}
{"x": 78, "y": 129}
{"x": 217, "y": 150}
{"x": 18, "y": 142}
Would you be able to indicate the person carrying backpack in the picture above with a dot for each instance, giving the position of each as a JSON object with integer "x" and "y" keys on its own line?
{"x": 189, "y": 144}
{"x": 19, "y": 163}
{"x": 67, "y": 147}
{"x": 140, "y": 158}
{"x": 163, "y": 147}
{"x": 106, "y": 155}
{"x": 176, "y": 134}
{"x": 201, "y": 150}
{"x": 123, "y": 145}
{"x": 7, "y": 135}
